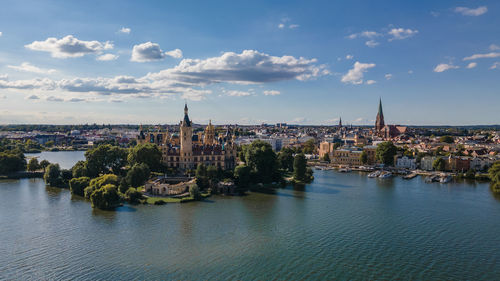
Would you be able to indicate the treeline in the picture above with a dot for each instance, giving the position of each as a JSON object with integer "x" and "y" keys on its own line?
{"x": 61, "y": 128}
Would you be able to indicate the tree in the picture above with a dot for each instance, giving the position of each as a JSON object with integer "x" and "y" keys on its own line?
{"x": 326, "y": 157}
{"x": 201, "y": 177}
{"x": 53, "y": 176}
{"x": 363, "y": 157}
{"x": 49, "y": 144}
{"x": 147, "y": 153}
{"x": 309, "y": 147}
{"x": 105, "y": 198}
{"x": 285, "y": 159}
{"x": 299, "y": 167}
{"x": 385, "y": 153}
{"x": 78, "y": 185}
{"x": 80, "y": 169}
{"x": 439, "y": 164}
{"x": 33, "y": 165}
{"x": 12, "y": 161}
{"x": 262, "y": 160}
{"x": 138, "y": 175}
{"x": 242, "y": 177}
{"x": 494, "y": 174}
{"x": 447, "y": 139}
{"x": 212, "y": 176}
{"x": 133, "y": 196}
{"x": 105, "y": 159}
{"x": 100, "y": 182}
{"x": 44, "y": 164}
{"x": 194, "y": 192}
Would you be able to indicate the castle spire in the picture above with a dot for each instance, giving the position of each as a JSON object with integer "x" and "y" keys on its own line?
{"x": 186, "y": 121}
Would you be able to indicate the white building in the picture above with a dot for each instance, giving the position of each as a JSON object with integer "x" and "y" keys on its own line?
{"x": 426, "y": 163}
{"x": 406, "y": 163}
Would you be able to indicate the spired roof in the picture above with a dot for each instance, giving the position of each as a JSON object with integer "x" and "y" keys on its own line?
{"x": 186, "y": 122}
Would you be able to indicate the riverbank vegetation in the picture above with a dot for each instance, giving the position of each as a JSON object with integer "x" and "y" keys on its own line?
{"x": 494, "y": 173}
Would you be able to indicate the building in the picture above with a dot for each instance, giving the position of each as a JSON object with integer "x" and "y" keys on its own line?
{"x": 386, "y": 131}
{"x": 379, "y": 121}
{"x": 186, "y": 150}
{"x": 406, "y": 162}
{"x": 426, "y": 163}
{"x": 347, "y": 157}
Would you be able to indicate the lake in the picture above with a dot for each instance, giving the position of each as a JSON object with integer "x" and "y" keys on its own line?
{"x": 342, "y": 226}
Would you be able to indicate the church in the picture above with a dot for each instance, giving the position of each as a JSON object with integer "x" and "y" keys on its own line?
{"x": 386, "y": 131}
{"x": 185, "y": 150}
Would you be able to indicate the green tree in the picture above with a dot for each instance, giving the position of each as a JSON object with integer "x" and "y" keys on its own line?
{"x": 49, "y": 144}
{"x": 100, "y": 182}
{"x": 147, "y": 153}
{"x": 262, "y": 160}
{"x": 439, "y": 164}
{"x": 105, "y": 198}
{"x": 242, "y": 177}
{"x": 326, "y": 157}
{"x": 194, "y": 192}
{"x": 12, "y": 161}
{"x": 201, "y": 177}
{"x": 300, "y": 168}
{"x": 310, "y": 147}
{"x": 33, "y": 165}
{"x": 133, "y": 196}
{"x": 212, "y": 176}
{"x": 80, "y": 169}
{"x": 385, "y": 153}
{"x": 447, "y": 139}
{"x": 78, "y": 185}
{"x": 138, "y": 175}
{"x": 494, "y": 174}
{"x": 53, "y": 176}
{"x": 104, "y": 159}
{"x": 285, "y": 159}
{"x": 44, "y": 164}
{"x": 363, "y": 157}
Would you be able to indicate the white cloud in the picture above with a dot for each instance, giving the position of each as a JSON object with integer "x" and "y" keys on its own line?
{"x": 32, "y": 97}
{"x": 388, "y": 76}
{"x": 4, "y": 77}
{"x": 69, "y": 47}
{"x": 471, "y": 12}
{"x": 238, "y": 93}
{"x": 281, "y": 25}
{"x": 27, "y": 67}
{"x": 401, "y": 33}
{"x": 471, "y": 65}
{"x": 494, "y": 47}
{"x": 52, "y": 98}
{"x": 107, "y": 57}
{"x": 298, "y": 120}
{"x": 495, "y": 65}
{"x": 355, "y": 75}
{"x": 370, "y": 82}
{"x": 177, "y": 53}
{"x": 188, "y": 78}
{"x": 1, "y": 34}
{"x": 365, "y": 34}
{"x": 124, "y": 30}
{"x": 349, "y": 57}
{"x": 444, "y": 66}
{"x": 293, "y": 26}
{"x": 482, "y": 56}
{"x": 371, "y": 43}
{"x": 76, "y": 100}
{"x": 272, "y": 93}
{"x": 151, "y": 52}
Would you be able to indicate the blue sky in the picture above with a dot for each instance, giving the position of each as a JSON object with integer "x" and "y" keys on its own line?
{"x": 304, "y": 62}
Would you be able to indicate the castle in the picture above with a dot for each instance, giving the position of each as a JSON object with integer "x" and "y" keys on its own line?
{"x": 186, "y": 150}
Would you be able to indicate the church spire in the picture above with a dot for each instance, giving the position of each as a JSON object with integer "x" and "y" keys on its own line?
{"x": 379, "y": 123}
{"x": 340, "y": 122}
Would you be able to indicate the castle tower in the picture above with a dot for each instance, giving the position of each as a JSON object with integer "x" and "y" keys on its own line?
{"x": 209, "y": 138}
{"x": 186, "y": 153}
{"x": 379, "y": 123}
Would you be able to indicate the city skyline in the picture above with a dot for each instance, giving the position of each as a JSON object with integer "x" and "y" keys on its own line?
{"x": 299, "y": 63}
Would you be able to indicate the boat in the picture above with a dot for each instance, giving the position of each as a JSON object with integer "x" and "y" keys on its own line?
{"x": 410, "y": 176}
{"x": 374, "y": 174}
{"x": 445, "y": 178}
{"x": 432, "y": 178}
{"x": 385, "y": 175}
{"x": 318, "y": 167}
{"x": 345, "y": 170}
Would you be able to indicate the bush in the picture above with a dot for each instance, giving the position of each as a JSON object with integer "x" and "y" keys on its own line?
{"x": 99, "y": 182}
{"x": 194, "y": 192}
{"x": 33, "y": 165}
{"x": 105, "y": 198}
{"x": 133, "y": 196}
{"x": 159, "y": 202}
{"x": 53, "y": 176}
{"x": 78, "y": 185}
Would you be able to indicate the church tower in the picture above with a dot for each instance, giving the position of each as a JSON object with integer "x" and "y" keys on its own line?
{"x": 340, "y": 123}
{"x": 379, "y": 123}
{"x": 186, "y": 153}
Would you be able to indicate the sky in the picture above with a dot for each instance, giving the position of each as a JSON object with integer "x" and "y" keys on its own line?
{"x": 250, "y": 62}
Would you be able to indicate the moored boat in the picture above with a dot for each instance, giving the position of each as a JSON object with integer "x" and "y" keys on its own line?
{"x": 385, "y": 175}
{"x": 374, "y": 174}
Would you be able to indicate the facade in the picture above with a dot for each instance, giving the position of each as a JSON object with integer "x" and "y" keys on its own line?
{"x": 426, "y": 163}
{"x": 406, "y": 162}
{"x": 186, "y": 150}
{"x": 386, "y": 131}
{"x": 347, "y": 157}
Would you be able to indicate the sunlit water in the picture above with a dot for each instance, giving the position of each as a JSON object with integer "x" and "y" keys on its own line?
{"x": 342, "y": 226}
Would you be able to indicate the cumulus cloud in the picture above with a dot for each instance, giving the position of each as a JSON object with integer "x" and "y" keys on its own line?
{"x": 272, "y": 93}
{"x": 107, "y": 57}
{"x": 32, "y": 97}
{"x": 471, "y": 12}
{"x": 401, "y": 33}
{"x": 388, "y": 76}
{"x": 293, "y": 26}
{"x": 177, "y": 53}
{"x": 69, "y": 47}
{"x": 483, "y": 56}
{"x": 124, "y": 30}
{"x": 349, "y": 57}
{"x": 371, "y": 43}
{"x": 151, "y": 52}
{"x": 444, "y": 66}
{"x": 52, "y": 98}
{"x": 370, "y": 82}
{"x": 355, "y": 75}
{"x": 189, "y": 77}
{"x": 76, "y": 100}
{"x": 494, "y": 47}
{"x": 238, "y": 93}
{"x": 27, "y": 67}
{"x": 495, "y": 65}
{"x": 281, "y": 25}
{"x": 364, "y": 34}
{"x": 4, "y": 77}
{"x": 1, "y": 34}
{"x": 471, "y": 65}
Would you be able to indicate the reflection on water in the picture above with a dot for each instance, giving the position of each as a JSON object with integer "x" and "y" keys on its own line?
{"x": 342, "y": 226}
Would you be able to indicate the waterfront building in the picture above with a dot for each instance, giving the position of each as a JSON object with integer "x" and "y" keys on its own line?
{"x": 406, "y": 162}
{"x": 186, "y": 150}
{"x": 347, "y": 156}
{"x": 426, "y": 163}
